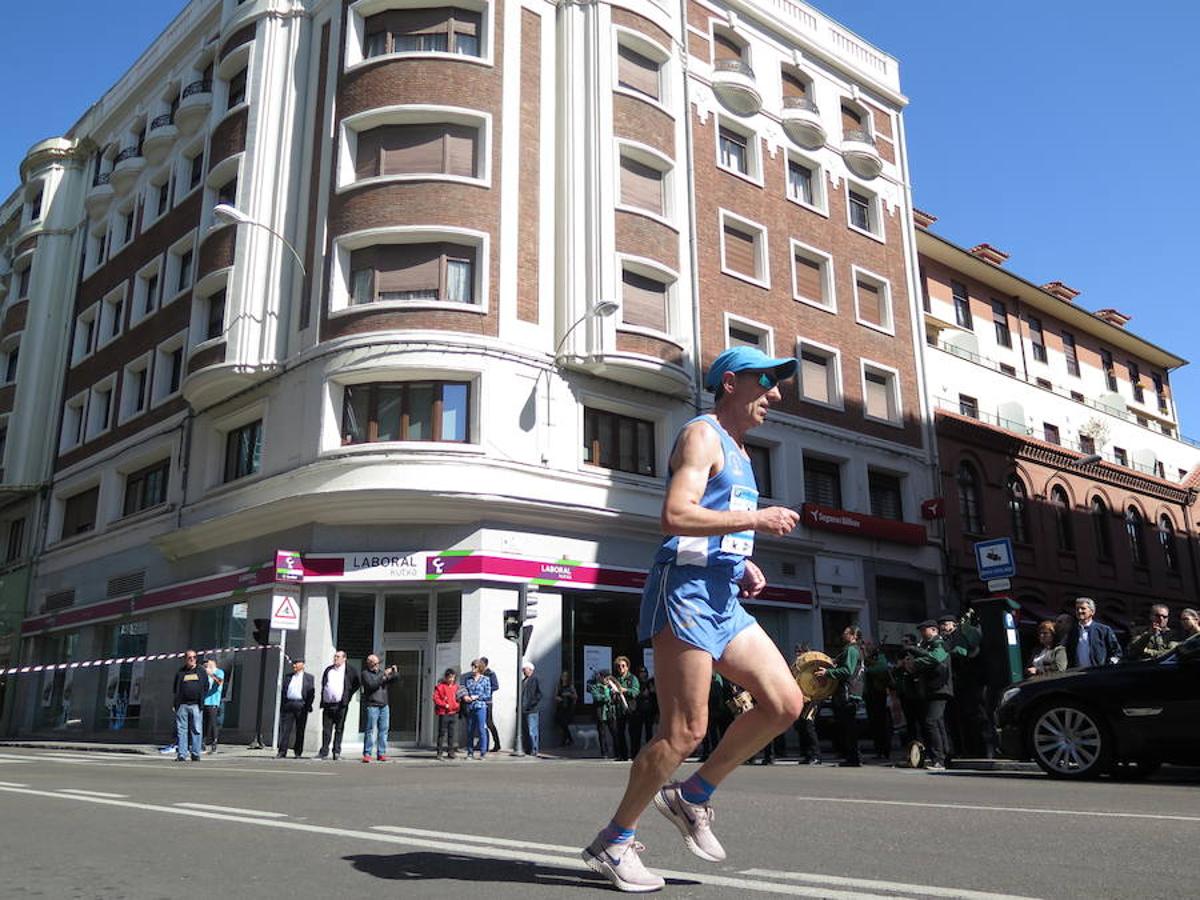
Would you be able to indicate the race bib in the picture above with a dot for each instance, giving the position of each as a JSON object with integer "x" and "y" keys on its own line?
{"x": 741, "y": 499}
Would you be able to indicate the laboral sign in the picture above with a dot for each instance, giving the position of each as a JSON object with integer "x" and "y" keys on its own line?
{"x": 825, "y": 518}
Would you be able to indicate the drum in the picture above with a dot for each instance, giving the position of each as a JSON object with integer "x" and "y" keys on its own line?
{"x": 804, "y": 668}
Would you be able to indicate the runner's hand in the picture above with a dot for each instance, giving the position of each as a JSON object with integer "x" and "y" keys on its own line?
{"x": 776, "y": 520}
{"x": 753, "y": 580}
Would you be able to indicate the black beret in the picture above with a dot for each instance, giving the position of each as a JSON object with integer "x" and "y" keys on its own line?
{"x": 928, "y": 623}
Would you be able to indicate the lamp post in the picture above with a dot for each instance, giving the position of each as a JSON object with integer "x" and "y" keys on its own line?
{"x": 1084, "y": 461}
{"x": 231, "y": 215}
{"x": 602, "y": 310}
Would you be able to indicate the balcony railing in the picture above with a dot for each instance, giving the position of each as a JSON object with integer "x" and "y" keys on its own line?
{"x": 101, "y": 178}
{"x": 801, "y": 103}
{"x": 860, "y": 135}
{"x": 734, "y": 65}
{"x": 127, "y": 153}
{"x": 204, "y": 86}
{"x": 162, "y": 121}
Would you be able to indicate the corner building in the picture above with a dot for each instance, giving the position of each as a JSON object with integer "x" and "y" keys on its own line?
{"x": 428, "y": 402}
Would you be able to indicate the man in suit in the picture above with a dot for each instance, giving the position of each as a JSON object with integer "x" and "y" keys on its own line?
{"x": 1090, "y": 643}
{"x": 295, "y": 703}
{"x": 339, "y": 684}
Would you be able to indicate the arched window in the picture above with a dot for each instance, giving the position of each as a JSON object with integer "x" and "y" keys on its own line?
{"x": 1101, "y": 529}
{"x": 1018, "y": 510}
{"x": 970, "y": 505}
{"x": 1062, "y": 518}
{"x": 1166, "y": 539}
{"x": 1133, "y": 530}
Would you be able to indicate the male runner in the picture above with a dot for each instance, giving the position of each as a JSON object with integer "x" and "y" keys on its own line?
{"x": 692, "y": 616}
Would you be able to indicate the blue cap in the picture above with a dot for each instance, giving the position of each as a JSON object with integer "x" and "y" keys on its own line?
{"x": 740, "y": 359}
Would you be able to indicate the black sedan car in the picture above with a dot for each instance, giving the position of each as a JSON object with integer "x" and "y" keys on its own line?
{"x": 1123, "y": 719}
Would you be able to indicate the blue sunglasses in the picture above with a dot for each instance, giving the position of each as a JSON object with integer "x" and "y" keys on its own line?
{"x": 767, "y": 380}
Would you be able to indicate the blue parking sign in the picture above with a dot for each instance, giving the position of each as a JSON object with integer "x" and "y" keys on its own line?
{"x": 994, "y": 559}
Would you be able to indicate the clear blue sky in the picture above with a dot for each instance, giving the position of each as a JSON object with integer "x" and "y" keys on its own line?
{"x": 1065, "y": 133}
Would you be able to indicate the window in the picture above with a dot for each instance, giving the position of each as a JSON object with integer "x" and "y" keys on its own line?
{"x": 135, "y": 388}
{"x": 618, "y": 442}
{"x": 802, "y": 183}
{"x": 819, "y": 382}
{"x": 1077, "y": 396}
{"x": 406, "y": 411}
{"x": 181, "y": 262}
{"x": 1143, "y": 421}
{"x": 100, "y": 409}
{"x": 970, "y": 502}
{"x": 1063, "y": 528}
{"x": 35, "y": 206}
{"x": 1018, "y": 510}
{"x": 164, "y": 197}
{"x": 1051, "y": 433}
{"x": 23, "y": 277}
{"x": 79, "y": 512}
{"x": 1135, "y": 379}
{"x": 227, "y": 193}
{"x": 127, "y": 220}
{"x": 168, "y": 369}
{"x": 1070, "y": 353}
{"x": 418, "y": 148}
{"x": 639, "y": 73}
{"x": 1037, "y": 339}
{"x": 237, "y": 90}
{"x": 16, "y": 540}
{"x": 1087, "y": 444}
{"x": 243, "y": 451}
{"x": 1044, "y": 384}
{"x": 85, "y": 334}
{"x": 436, "y": 271}
{"x": 146, "y": 292}
{"x": 852, "y": 121}
{"x": 1000, "y": 321}
{"x": 968, "y": 406}
{"x": 195, "y": 166}
{"x": 880, "y": 394}
{"x": 1121, "y": 457}
{"x": 1110, "y": 374}
{"x": 215, "y": 319}
{"x": 438, "y": 30}
{"x": 146, "y": 487}
{"x": 822, "y": 482}
{"x": 1100, "y": 529}
{"x": 962, "y": 306}
{"x": 812, "y": 276}
{"x": 886, "y": 502}
{"x": 111, "y": 315}
{"x": 1133, "y": 531}
{"x": 73, "y": 422}
{"x": 739, "y": 333}
{"x": 643, "y": 301}
{"x": 1008, "y": 370}
{"x": 872, "y": 301}
{"x": 734, "y": 151}
{"x": 642, "y": 186}
{"x": 1166, "y": 540}
{"x": 743, "y": 250}
{"x": 861, "y": 212}
{"x": 1160, "y": 392}
{"x": 760, "y": 462}
{"x": 11, "y": 359}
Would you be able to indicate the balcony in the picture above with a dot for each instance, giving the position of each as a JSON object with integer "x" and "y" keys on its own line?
{"x": 99, "y": 196}
{"x": 160, "y": 139}
{"x": 733, "y": 83}
{"x": 802, "y": 122}
{"x": 195, "y": 103}
{"x": 127, "y": 167}
{"x": 861, "y": 154}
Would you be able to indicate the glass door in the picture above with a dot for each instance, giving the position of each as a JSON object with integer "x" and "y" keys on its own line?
{"x": 405, "y": 694}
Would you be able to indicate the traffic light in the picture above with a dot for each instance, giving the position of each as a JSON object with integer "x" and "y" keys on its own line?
{"x": 512, "y": 625}
{"x": 262, "y": 631}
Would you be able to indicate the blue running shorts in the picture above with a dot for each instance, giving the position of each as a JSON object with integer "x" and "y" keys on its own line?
{"x": 700, "y": 604}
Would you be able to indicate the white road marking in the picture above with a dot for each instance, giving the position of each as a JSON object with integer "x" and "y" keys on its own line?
{"x": 475, "y": 839}
{"x": 169, "y": 763}
{"x": 1012, "y": 809}
{"x": 234, "y": 809}
{"x": 83, "y": 793}
{"x": 12, "y": 784}
{"x": 920, "y": 890}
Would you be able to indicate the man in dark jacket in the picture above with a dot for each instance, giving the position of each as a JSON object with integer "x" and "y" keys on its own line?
{"x": 339, "y": 684}
{"x": 1090, "y": 643}
{"x": 966, "y": 713}
{"x": 295, "y": 703}
{"x": 1155, "y": 640}
{"x": 930, "y": 663}
{"x": 375, "y": 680}
{"x": 191, "y": 684}
{"x": 491, "y": 724}
{"x": 531, "y": 702}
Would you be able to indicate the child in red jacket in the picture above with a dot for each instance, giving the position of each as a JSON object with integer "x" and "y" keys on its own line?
{"x": 445, "y": 705}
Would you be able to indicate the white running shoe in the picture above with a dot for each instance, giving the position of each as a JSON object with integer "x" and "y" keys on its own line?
{"x": 693, "y": 821}
{"x": 622, "y": 865}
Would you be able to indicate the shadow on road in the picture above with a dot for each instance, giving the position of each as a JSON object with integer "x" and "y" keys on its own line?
{"x": 427, "y": 866}
{"x": 1168, "y": 775}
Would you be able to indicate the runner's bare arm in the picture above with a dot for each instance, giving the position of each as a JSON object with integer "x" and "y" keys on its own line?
{"x": 697, "y": 456}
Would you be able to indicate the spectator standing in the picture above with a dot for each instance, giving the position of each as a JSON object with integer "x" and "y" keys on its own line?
{"x": 1155, "y": 640}
{"x": 625, "y": 689}
{"x": 907, "y": 691}
{"x": 566, "y": 698}
{"x": 877, "y": 684}
{"x": 1090, "y": 643}
{"x": 966, "y": 712}
{"x": 641, "y": 721}
{"x": 930, "y": 662}
{"x": 212, "y": 704}
{"x": 295, "y": 703}
{"x": 531, "y": 702}
{"x": 602, "y": 701}
{"x": 476, "y": 694}
{"x": 191, "y": 684}
{"x": 445, "y": 708}
{"x": 1189, "y": 624}
{"x": 339, "y": 683}
{"x": 494, "y": 681}
{"x": 848, "y": 670}
{"x": 375, "y": 680}
{"x": 1051, "y": 656}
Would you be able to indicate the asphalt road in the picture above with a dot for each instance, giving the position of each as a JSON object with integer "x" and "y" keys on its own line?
{"x": 92, "y": 825}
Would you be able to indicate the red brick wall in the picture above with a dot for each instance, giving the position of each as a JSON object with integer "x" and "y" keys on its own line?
{"x": 229, "y": 137}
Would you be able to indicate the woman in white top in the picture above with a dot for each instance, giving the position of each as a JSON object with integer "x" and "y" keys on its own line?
{"x": 1051, "y": 656}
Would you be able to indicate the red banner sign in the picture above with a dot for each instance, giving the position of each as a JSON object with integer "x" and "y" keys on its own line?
{"x": 842, "y": 521}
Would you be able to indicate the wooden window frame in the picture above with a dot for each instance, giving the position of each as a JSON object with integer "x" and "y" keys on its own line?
{"x": 405, "y": 388}
{"x": 599, "y": 424}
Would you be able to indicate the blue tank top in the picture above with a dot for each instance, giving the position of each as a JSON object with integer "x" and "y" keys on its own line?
{"x": 733, "y": 488}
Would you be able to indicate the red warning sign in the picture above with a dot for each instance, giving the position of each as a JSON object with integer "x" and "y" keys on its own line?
{"x": 285, "y": 609}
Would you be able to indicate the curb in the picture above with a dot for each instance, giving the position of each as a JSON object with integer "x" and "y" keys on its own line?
{"x": 88, "y": 748}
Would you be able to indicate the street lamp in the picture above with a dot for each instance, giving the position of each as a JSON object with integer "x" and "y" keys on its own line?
{"x": 602, "y": 309}
{"x": 1085, "y": 461}
{"x": 231, "y": 215}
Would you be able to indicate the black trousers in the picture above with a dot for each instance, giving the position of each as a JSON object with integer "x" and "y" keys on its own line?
{"x": 212, "y": 725}
{"x": 934, "y": 730}
{"x": 621, "y": 727}
{"x": 562, "y": 719}
{"x": 292, "y": 718}
{"x": 491, "y": 726}
{"x": 447, "y": 736}
{"x": 806, "y": 730}
{"x": 333, "y": 724}
{"x": 879, "y": 722}
{"x": 913, "y": 714}
{"x": 846, "y": 716}
{"x": 606, "y": 732}
{"x": 641, "y": 731}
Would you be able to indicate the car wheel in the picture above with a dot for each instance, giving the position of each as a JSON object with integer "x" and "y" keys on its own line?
{"x": 1069, "y": 741}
